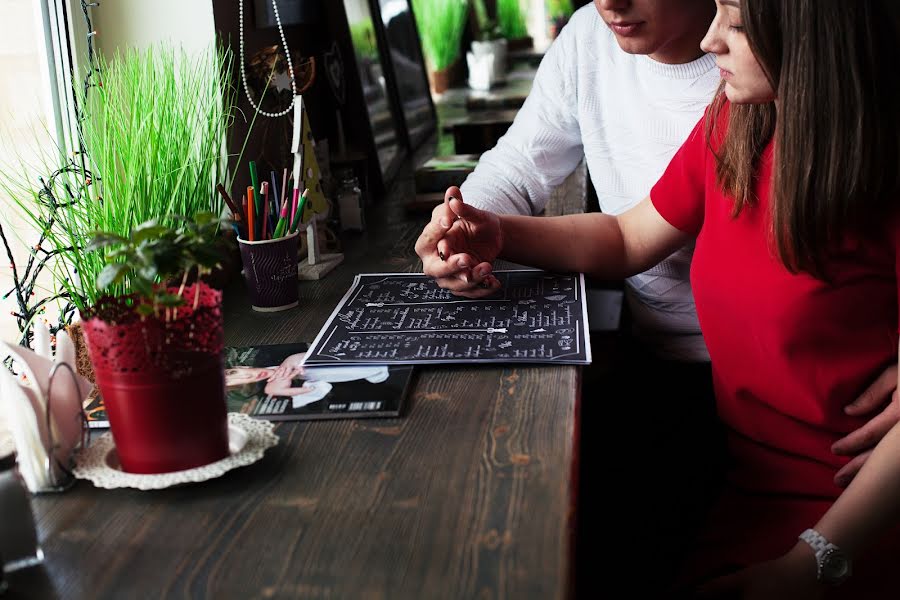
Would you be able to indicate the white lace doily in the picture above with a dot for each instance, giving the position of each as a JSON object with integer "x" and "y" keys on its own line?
{"x": 248, "y": 439}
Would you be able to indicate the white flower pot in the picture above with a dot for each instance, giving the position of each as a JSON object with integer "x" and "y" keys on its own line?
{"x": 489, "y": 61}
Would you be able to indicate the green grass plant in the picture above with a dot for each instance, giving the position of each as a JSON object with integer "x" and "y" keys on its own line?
{"x": 441, "y": 24}
{"x": 363, "y": 36}
{"x": 154, "y": 136}
{"x": 559, "y": 9}
{"x": 511, "y": 19}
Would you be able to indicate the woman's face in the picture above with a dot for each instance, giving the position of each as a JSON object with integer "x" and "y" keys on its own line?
{"x": 242, "y": 375}
{"x": 745, "y": 80}
{"x": 667, "y": 30}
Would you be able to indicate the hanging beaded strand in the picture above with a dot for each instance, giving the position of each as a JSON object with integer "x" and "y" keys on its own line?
{"x": 287, "y": 54}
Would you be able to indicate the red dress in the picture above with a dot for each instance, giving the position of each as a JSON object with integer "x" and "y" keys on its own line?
{"x": 788, "y": 351}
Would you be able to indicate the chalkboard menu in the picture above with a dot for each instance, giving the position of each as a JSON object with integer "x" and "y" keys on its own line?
{"x": 401, "y": 318}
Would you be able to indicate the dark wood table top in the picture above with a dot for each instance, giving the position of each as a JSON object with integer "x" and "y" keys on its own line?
{"x": 471, "y": 494}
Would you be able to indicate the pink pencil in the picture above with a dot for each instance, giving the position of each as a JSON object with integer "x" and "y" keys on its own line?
{"x": 294, "y": 202}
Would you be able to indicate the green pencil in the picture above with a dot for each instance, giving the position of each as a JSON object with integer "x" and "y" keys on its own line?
{"x": 260, "y": 210}
{"x": 282, "y": 221}
{"x": 298, "y": 215}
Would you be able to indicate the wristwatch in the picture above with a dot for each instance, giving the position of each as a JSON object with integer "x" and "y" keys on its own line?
{"x": 833, "y": 564}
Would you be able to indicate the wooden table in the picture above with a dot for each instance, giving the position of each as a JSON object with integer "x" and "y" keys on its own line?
{"x": 471, "y": 494}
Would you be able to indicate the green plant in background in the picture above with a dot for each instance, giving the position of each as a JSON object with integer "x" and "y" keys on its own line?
{"x": 488, "y": 29}
{"x": 154, "y": 139}
{"x": 441, "y": 24}
{"x": 559, "y": 9}
{"x": 511, "y": 19}
{"x": 363, "y": 35}
{"x": 153, "y": 252}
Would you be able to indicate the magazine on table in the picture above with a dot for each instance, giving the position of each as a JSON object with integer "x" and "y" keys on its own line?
{"x": 268, "y": 382}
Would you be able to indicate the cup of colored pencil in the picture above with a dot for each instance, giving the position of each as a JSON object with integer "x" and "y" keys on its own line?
{"x": 267, "y": 225}
{"x": 270, "y": 271}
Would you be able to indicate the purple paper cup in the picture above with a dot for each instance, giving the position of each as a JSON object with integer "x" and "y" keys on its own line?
{"x": 270, "y": 270}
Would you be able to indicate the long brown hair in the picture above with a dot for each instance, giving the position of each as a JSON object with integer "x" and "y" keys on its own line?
{"x": 833, "y": 66}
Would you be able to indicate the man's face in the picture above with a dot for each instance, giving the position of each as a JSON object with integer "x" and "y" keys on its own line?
{"x": 669, "y": 31}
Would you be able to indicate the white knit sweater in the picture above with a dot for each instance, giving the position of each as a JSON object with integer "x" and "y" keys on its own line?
{"x": 627, "y": 115}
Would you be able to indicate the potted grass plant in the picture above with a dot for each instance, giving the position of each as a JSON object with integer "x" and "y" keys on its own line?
{"x": 511, "y": 20}
{"x": 156, "y": 342}
{"x": 152, "y": 138}
{"x": 152, "y": 128}
{"x": 441, "y": 24}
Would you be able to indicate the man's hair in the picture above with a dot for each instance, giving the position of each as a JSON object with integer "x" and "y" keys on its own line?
{"x": 833, "y": 66}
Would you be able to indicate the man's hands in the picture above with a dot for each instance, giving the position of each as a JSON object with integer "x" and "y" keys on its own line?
{"x": 882, "y": 394}
{"x": 459, "y": 245}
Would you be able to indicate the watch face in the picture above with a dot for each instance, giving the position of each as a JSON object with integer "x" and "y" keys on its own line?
{"x": 835, "y": 566}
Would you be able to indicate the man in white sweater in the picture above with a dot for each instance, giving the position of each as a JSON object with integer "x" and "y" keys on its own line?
{"x": 626, "y": 113}
{"x": 622, "y": 87}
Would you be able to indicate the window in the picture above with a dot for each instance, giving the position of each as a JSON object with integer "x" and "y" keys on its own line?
{"x": 32, "y": 125}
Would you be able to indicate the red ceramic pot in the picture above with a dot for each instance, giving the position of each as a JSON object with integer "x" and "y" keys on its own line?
{"x": 162, "y": 382}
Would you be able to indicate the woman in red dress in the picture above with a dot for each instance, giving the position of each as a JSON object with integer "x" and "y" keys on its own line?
{"x": 790, "y": 186}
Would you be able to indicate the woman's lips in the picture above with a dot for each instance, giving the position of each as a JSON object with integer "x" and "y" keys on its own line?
{"x": 625, "y": 29}
{"x": 726, "y": 75}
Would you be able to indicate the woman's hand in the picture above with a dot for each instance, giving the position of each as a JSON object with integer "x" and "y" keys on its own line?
{"x": 789, "y": 577}
{"x": 881, "y": 395}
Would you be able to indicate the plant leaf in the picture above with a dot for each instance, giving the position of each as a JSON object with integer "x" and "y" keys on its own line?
{"x": 148, "y": 232}
{"x": 103, "y": 239}
{"x": 144, "y": 309}
{"x": 148, "y": 272}
{"x": 110, "y": 275}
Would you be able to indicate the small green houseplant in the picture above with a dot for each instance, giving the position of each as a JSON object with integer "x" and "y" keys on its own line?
{"x": 487, "y": 58}
{"x": 155, "y": 340}
{"x": 441, "y": 24}
{"x": 511, "y": 20}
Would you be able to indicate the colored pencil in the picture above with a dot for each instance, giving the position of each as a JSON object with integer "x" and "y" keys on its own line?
{"x": 254, "y": 179}
{"x": 294, "y": 200}
{"x": 244, "y": 212}
{"x": 231, "y": 205}
{"x": 298, "y": 218}
{"x": 251, "y": 214}
{"x": 282, "y": 221}
{"x": 274, "y": 201}
{"x": 264, "y": 234}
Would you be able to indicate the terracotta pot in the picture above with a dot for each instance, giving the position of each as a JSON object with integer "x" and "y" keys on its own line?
{"x": 444, "y": 79}
{"x": 162, "y": 382}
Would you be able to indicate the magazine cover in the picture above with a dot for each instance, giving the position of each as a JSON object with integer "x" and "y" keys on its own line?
{"x": 268, "y": 382}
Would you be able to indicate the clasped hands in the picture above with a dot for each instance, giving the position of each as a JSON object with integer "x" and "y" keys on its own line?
{"x": 459, "y": 245}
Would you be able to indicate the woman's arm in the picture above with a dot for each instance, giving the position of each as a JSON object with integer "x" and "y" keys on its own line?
{"x": 871, "y": 504}
{"x": 606, "y": 246}
{"x": 597, "y": 244}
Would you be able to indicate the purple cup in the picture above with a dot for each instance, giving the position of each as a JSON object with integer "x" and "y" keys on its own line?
{"x": 270, "y": 270}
